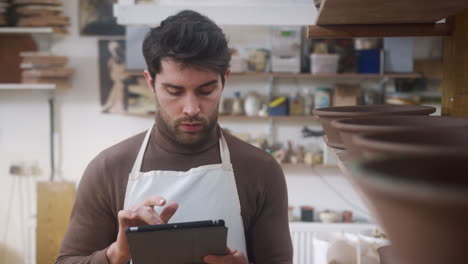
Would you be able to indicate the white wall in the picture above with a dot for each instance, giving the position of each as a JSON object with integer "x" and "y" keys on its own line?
{"x": 84, "y": 132}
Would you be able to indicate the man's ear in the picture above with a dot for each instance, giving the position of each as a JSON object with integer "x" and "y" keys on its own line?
{"x": 226, "y": 76}
{"x": 149, "y": 81}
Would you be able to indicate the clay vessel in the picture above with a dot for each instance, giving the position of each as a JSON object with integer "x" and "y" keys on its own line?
{"x": 362, "y": 125}
{"x": 328, "y": 114}
{"x": 422, "y": 204}
{"x": 414, "y": 142}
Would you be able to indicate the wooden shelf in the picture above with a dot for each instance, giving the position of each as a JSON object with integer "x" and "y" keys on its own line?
{"x": 379, "y": 30}
{"x": 359, "y": 12}
{"x": 329, "y": 76}
{"x": 245, "y": 118}
{"x": 25, "y": 86}
{"x": 267, "y": 118}
{"x": 26, "y": 30}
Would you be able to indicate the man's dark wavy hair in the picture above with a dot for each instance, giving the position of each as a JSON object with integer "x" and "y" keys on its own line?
{"x": 189, "y": 38}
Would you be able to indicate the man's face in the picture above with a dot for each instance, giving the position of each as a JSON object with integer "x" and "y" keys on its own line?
{"x": 187, "y": 99}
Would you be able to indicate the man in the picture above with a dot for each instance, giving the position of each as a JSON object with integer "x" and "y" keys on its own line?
{"x": 185, "y": 168}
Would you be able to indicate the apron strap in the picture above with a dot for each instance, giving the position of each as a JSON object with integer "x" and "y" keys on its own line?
{"x": 224, "y": 150}
{"x": 139, "y": 159}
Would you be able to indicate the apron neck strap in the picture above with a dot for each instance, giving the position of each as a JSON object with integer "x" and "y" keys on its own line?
{"x": 223, "y": 150}
{"x": 139, "y": 159}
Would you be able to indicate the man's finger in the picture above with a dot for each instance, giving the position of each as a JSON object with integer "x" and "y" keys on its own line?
{"x": 169, "y": 211}
{"x": 155, "y": 200}
{"x": 216, "y": 259}
{"x": 149, "y": 216}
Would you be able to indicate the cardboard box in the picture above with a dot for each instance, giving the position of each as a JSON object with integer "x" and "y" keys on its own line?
{"x": 345, "y": 95}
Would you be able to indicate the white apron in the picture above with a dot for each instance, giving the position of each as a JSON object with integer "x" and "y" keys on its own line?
{"x": 205, "y": 193}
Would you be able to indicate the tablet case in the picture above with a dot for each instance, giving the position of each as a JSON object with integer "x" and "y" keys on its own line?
{"x": 177, "y": 246}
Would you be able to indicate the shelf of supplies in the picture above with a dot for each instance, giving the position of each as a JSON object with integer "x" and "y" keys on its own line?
{"x": 329, "y": 76}
{"x": 359, "y": 12}
{"x": 26, "y": 30}
{"x": 330, "y": 227}
{"x": 26, "y": 86}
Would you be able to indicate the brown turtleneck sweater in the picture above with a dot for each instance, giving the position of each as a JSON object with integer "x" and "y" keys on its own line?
{"x": 260, "y": 184}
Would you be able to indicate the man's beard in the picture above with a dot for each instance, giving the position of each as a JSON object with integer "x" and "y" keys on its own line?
{"x": 172, "y": 130}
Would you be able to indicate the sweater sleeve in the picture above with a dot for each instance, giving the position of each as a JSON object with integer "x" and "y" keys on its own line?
{"x": 93, "y": 226}
{"x": 269, "y": 234}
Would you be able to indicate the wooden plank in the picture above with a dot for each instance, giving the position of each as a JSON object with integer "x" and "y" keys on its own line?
{"x": 455, "y": 83}
{"x": 54, "y": 204}
{"x": 340, "y": 12}
{"x": 379, "y": 30}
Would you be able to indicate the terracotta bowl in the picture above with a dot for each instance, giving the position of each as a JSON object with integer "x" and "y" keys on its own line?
{"x": 414, "y": 142}
{"x": 357, "y": 126}
{"x": 422, "y": 204}
{"x": 327, "y": 115}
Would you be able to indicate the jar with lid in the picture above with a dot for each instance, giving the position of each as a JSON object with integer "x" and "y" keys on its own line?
{"x": 322, "y": 97}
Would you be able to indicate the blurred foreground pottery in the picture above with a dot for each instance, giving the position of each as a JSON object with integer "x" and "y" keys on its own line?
{"x": 422, "y": 204}
{"x": 363, "y": 125}
{"x": 328, "y": 114}
{"x": 415, "y": 142}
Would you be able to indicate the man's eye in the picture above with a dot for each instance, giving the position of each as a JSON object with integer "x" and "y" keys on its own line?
{"x": 206, "y": 91}
{"x": 174, "y": 91}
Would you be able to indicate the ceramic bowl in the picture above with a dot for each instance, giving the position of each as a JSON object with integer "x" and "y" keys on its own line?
{"x": 422, "y": 204}
{"x": 362, "y": 125}
{"x": 414, "y": 142}
{"x": 327, "y": 115}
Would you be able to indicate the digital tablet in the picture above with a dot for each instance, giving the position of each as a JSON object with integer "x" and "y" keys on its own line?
{"x": 177, "y": 243}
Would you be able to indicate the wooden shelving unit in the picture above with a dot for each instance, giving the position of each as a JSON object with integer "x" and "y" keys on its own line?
{"x": 385, "y": 18}
{"x": 329, "y": 76}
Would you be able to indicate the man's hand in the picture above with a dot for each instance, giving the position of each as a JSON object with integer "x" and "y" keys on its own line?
{"x": 144, "y": 214}
{"x": 233, "y": 257}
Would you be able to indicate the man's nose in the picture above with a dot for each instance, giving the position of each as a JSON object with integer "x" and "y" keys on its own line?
{"x": 191, "y": 106}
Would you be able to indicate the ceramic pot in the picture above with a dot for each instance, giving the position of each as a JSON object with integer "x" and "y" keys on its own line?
{"x": 329, "y": 217}
{"x": 327, "y": 115}
{"x": 422, "y": 204}
{"x": 252, "y": 104}
{"x": 361, "y": 125}
{"x": 414, "y": 142}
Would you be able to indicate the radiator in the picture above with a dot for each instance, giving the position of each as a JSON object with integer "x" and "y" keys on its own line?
{"x": 303, "y": 246}
{"x": 302, "y": 236}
